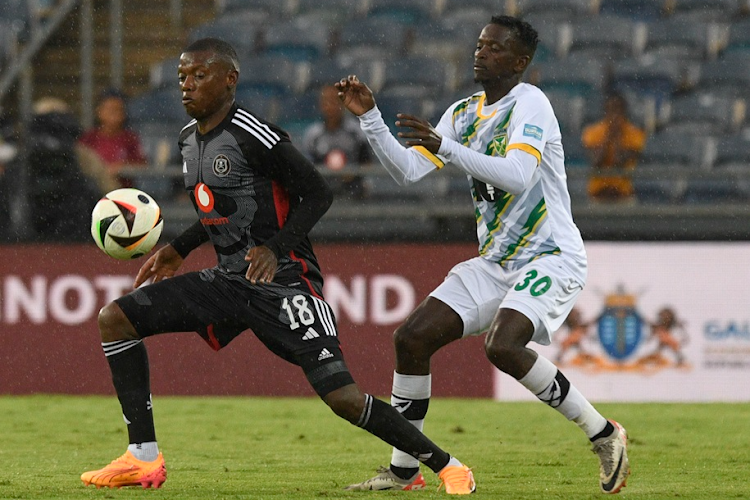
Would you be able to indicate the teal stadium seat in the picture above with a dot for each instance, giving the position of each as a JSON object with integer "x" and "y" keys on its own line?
{"x": 242, "y": 29}
{"x": 304, "y": 38}
{"x": 569, "y": 10}
{"x": 636, "y": 10}
{"x": 605, "y": 38}
{"x": 409, "y": 13}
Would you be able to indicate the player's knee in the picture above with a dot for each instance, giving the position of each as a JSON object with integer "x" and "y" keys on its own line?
{"x": 499, "y": 351}
{"x": 347, "y": 402}
{"x": 114, "y": 325}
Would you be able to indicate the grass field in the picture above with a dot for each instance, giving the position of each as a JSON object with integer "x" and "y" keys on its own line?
{"x": 284, "y": 448}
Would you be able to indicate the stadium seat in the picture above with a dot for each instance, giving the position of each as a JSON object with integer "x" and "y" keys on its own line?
{"x": 649, "y": 78}
{"x": 325, "y": 71}
{"x": 675, "y": 150}
{"x": 575, "y": 154}
{"x": 159, "y": 141}
{"x": 729, "y": 75}
{"x": 684, "y": 38}
{"x": 575, "y": 75}
{"x": 259, "y": 102}
{"x": 733, "y": 153}
{"x": 391, "y": 105}
{"x": 415, "y": 76}
{"x": 564, "y": 9}
{"x": 270, "y": 75}
{"x": 444, "y": 41}
{"x": 706, "y": 114}
{"x": 336, "y": 11}
{"x": 164, "y": 73}
{"x": 569, "y": 111}
{"x": 637, "y": 10}
{"x": 705, "y": 10}
{"x": 18, "y": 16}
{"x": 158, "y": 105}
{"x": 371, "y": 38}
{"x": 241, "y": 29}
{"x": 550, "y": 35}
{"x": 410, "y": 13}
{"x": 383, "y": 187}
{"x": 658, "y": 191}
{"x": 712, "y": 191}
{"x": 303, "y": 38}
{"x": 299, "y": 112}
{"x": 256, "y": 9}
{"x": 739, "y": 37}
{"x": 604, "y": 37}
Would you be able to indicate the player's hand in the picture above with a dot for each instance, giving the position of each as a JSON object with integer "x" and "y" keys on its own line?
{"x": 355, "y": 95}
{"x": 263, "y": 264}
{"x": 161, "y": 265}
{"x": 421, "y": 133}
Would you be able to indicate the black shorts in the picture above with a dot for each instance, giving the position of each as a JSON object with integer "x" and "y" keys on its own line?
{"x": 294, "y": 324}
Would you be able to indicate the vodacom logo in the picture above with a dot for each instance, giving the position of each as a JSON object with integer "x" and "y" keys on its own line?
{"x": 204, "y": 197}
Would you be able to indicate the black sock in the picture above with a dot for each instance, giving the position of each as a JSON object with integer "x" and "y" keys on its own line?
{"x": 385, "y": 422}
{"x": 606, "y": 432}
{"x": 412, "y": 410}
{"x": 128, "y": 362}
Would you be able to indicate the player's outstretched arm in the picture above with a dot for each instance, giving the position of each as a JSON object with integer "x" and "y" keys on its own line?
{"x": 161, "y": 265}
{"x": 355, "y": 95}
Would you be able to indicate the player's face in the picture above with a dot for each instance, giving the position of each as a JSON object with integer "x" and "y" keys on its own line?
{"x": 207, "y": 83}
{"x": 496, "y": 56}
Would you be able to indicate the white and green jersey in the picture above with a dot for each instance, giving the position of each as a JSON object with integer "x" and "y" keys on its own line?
{"x": 514, "y": 229}
{"x": 512, "y": 154}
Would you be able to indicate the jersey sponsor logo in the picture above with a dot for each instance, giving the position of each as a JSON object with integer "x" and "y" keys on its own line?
{"x": 532, "y": 131}
{"x": 204, "y": 198}
{"x": 221, "y": 166}
{"x": 214, "y": 221}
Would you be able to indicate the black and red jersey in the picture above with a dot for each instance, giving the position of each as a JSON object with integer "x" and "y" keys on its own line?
{"x": 250, "y": 186}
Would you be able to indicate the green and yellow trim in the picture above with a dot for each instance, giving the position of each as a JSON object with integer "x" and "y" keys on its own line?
{"x": 532, "y": 223}
{"x": 527, "y": 149}
{"x": 427, "y": 154}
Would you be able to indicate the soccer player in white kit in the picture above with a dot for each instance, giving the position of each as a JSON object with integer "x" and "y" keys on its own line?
{"x": 531, "y": 265}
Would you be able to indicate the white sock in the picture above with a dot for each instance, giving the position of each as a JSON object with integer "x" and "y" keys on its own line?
{"x": 406, "y": 389}
{"x": 146, "y": 452}
{"x": 549, "y": 385}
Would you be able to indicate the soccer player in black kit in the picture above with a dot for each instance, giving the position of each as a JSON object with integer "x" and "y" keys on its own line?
{"x": 257, "y": 198}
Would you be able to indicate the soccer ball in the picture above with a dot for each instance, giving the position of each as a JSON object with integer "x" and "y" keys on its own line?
{"x": 126, "y": 223}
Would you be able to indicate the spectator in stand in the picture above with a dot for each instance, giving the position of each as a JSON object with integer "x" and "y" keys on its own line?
{"x": 7, "y": 154}
{"x": 111, "y": 139}
{"x": 614, "y": 144}
{"x": 336, "y": 142}
{"x": 62, "y": 190}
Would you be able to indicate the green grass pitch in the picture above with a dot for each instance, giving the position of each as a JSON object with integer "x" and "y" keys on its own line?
{"x": 292, "y": 448}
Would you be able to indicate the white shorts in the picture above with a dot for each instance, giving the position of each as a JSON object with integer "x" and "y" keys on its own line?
{"x": 544, "y": 291}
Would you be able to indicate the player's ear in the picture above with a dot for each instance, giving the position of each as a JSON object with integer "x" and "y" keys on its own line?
{"x": 233, "y": 77}
{"x": 522, "y": 63}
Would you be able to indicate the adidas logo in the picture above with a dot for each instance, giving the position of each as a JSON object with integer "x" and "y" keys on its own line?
{"x": 311, "y": 334}
{"x": 324, "y": 354}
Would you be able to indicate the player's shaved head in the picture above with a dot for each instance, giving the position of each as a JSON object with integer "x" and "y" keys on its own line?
{"x": 223, "y": 51}
{"x": 524, "y": 34}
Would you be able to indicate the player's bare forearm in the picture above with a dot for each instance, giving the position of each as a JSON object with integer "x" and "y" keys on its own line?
{"x": 355, "y": 95}
{"x": 161, "y": 265}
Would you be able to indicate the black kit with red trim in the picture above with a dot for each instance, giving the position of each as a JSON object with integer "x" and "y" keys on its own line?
{"x": 250, "y": 186}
